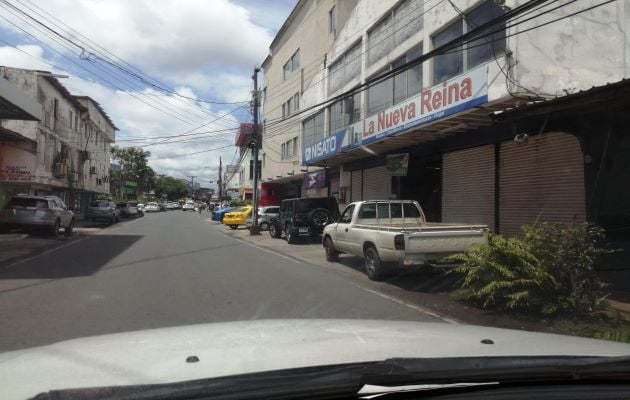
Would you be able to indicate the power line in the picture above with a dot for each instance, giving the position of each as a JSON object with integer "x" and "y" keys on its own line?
{"x": 85, "y": 54}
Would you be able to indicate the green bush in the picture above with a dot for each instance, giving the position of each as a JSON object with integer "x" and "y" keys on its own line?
{"x": 550, "y": 269}
{"x": 502, "y": 274}
{"x": 570, "y": 253}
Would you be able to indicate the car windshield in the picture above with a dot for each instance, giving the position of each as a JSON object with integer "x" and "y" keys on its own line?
{"x": 199, "y": 189}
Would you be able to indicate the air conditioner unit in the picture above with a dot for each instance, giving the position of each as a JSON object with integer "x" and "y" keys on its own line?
{"x": 92, "y": 170}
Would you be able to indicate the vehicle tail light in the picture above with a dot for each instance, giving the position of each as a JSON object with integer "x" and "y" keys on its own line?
{"x": 399, "y": 242}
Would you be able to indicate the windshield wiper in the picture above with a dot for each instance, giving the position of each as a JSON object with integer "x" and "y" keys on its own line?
{"x": 347, "y": 379}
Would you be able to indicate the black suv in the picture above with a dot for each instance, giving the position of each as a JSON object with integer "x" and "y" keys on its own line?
{"x": 303, "y": 217}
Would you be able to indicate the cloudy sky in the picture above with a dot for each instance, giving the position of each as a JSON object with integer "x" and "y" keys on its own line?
{"x": 202, "y": 50}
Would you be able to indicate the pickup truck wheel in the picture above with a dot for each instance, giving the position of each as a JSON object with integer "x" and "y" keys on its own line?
{"x": 373, "y": 265}
{"x": 274, "y": 231}
{"x": 332, "y": 255}
{"x": 288, "y": 231}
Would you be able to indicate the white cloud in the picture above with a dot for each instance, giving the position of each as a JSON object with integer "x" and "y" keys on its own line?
{"x": 25, "y": 56}
{"x": 204, "y": 49}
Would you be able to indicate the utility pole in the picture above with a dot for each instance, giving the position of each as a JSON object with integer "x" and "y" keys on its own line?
{"x": 220, "y": 182}
{"x": 255, "y": 142}
{"x": 192, "y": 185}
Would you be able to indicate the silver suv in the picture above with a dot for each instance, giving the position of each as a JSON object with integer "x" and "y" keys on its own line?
{"x": 265, "y": 214}
{"x": 36, "y": 213}
{"x": 103, "y": 209}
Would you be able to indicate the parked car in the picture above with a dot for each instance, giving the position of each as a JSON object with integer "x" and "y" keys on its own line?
{"x": 141, "y": 207}
{"x": 129, "y": 209}
{"x": 265, "y": 214}
{"x": 303, "y": 217}
{"x": 395, "y": 233}
{"x": 162, "y": 206}
{"x": 103, "y": 210}
{"x": 237, "y": 216}
{"x": 220, "y": 213}
{"x": 169, "y": 206}
{"x": 189, "y": 206}
{"x": 35, "y": 213}
{"x": 176, "y": 205}
{"x": 152, "y": 207}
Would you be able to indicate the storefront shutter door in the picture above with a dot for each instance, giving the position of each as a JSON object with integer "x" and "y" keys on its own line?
{"x": 377, "y": 184}
{"x": 356, "y": 185}
{"x": 541, "y": 179}
{"x": 468, "y": 186}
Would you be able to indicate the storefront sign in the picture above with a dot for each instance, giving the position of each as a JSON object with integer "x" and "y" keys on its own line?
{"x": 397, "y": 164}
{"x": 16, "y": 165}
{"x": 315, "y": 179}
{"x": 447, "y": 98}
{"x": 342, "y": 140}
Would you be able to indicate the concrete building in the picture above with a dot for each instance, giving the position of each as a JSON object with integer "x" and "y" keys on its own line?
{"x": 295, "y": 65}
{"x": 66, "y": 153}
{"x": 505, "y": 128}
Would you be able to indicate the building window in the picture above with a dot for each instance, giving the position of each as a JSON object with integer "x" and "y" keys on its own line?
{"x": 346, "y": 68}
{"x": 289, "y": 106}
{"x": 332, "y": 21}
{"x": 251, "y": 170}
{"x": 70, "y": 118}
{"x": 263, "y": 159}
{"x": 474, "y": 53}
{"x": 399, "y": 87}
{"x": 487, "y": 47}
{"x": 344, "y": 112}
{"x": 296, "y": 102}
{"x": 293, "y": 64}
{"x": 289, "y": 149}
{"x": 314, "y": 129}
{"x": 398, "y": 25}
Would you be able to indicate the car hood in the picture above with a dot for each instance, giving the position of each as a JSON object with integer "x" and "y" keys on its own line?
{"x": 159, "y": 355}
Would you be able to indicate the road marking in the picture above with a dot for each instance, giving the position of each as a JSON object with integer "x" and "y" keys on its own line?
{"x": 45, "y": 252}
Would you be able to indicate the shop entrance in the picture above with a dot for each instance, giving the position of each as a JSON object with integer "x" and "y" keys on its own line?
{"x": 423, "y": 183}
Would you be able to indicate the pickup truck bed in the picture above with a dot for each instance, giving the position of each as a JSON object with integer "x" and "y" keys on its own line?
{"x": 396, "y": 241}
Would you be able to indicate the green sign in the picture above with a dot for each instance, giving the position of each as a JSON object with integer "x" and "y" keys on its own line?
{"x": 397, "y": 164}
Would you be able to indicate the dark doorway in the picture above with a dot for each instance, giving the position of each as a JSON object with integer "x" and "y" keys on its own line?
{"x": 423, "y": 183}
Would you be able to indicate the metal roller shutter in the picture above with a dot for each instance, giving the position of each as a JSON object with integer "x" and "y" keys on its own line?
{"x": 377, "y": 183}
{"x": 468, "y": 186}
{"x": 355, "y": 179}
{"x": 541, "y": 180}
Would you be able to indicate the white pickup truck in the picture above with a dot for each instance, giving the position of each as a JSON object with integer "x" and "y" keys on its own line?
{"x": 395, "y": 232}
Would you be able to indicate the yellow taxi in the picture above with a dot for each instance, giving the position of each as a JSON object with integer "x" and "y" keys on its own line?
{"x": 237, "y": 217}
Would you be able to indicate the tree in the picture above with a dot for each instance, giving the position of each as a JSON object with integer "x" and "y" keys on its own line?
{"x": 169, "y": 187}
{"x": 134, "y": 167}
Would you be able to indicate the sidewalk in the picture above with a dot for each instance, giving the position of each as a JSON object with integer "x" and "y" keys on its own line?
{"x": 425, "y": 289}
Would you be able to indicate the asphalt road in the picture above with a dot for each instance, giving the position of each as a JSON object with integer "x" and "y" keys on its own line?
{"x": 170, "y": 269}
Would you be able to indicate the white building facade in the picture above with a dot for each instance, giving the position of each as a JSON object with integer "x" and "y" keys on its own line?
{"x": 66, "y": 153}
